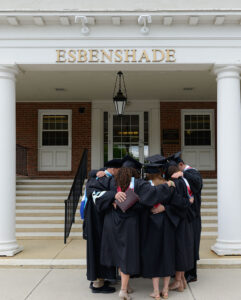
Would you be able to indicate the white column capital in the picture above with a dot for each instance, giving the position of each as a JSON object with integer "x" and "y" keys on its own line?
{"x": 227, "y": 71}
{"x": 8, "y": 71}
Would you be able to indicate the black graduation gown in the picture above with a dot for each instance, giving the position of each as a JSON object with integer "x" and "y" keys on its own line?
{"x": 92, "y": 231}
{"x": 194, "y": 179}
{"x": 158, "y": 253}
{"x": 121, "y": 233}
{"x": 184, "y": 237}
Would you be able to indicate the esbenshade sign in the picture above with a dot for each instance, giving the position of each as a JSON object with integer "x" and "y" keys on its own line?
{"x": 135, "y": 56}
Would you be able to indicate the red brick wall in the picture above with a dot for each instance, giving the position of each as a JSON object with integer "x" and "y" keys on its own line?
{"x": 27, "y": 134}
{"x": 171, "y": 119}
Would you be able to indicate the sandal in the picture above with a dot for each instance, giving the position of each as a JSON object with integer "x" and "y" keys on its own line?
{"x": 164, "y": 294}
{"x": 155, "y": 295}
{"x": 124, "y": 295}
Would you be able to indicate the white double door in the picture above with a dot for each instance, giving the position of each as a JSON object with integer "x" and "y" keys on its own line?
{"x": 126, "y": 136}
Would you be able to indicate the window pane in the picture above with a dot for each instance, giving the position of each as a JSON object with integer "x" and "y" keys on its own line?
{"x": 146, "y": 133}
{"x": 193, "y": 122}
{"x": 206, "y": 122}
{"x": 197, "y": 138}
{"x": 55, "y": 138}
{"x": 187, "y": 122}
{"x": 55, "y": 122}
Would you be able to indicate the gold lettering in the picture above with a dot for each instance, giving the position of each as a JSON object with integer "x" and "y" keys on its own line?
{"x": 118, "y": 54}
{"x": 133, "y": 55}
{"x": 82, "y": 56}
{"x": 170, "y": 55}
{"x": 72, "y": 56}
{"x": 60, "y": 55}
{"x": 93, "y": 55}
{"x": 144, "y": 56}
{"x": 106, "y": 55}
{"x": 155, "y": 51}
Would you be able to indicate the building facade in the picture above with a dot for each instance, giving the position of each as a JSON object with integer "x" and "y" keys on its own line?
{"x": 182, "y": 65}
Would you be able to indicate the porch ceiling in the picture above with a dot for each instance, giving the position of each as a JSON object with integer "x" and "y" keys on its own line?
{"x": 98, "y": 85}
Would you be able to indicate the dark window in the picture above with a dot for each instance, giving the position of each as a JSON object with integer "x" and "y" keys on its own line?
{"x": 197, "y": 130}
{"x": 55, "y": 130}
{"x": 105, "y": 136}
{"x": 146, "y": 134}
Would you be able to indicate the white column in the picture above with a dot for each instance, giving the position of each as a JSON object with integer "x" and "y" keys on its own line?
{"x": 8, "y": 244}
{"x": 229, "y": 161}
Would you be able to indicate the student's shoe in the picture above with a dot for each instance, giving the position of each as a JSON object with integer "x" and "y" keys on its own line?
{"x": 91, "y": 285}
{"x": 124, "y": 295}
{"x": 191, "y": 278}
{"x": 103, "y": 290}
{"x": 164, "y": 294}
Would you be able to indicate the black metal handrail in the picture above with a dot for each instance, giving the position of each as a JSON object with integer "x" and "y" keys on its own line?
{"x": 21, "y": 160}
{"x": 71, "y": 203}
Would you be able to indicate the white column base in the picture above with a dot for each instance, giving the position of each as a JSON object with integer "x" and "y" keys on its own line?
{"x": 223, "y": 247}
{"x": 10, "y": 248}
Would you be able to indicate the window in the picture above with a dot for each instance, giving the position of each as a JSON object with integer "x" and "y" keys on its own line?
{"x": 55, "y": 130}
{"x": 197, "y": 129}
{"x": 105, "y": 136}
{"x": 146, "y": 134}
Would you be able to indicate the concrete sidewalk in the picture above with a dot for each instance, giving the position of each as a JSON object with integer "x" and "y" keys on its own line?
{"x": 71, "y": 284}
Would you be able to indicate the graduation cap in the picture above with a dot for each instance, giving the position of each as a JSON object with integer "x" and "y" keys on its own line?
{"x": 157, "y": 158}
{"x": 152, "y": 168}
{"x": 175, "y": 157}
{"x": 114, "y": 163}
{"x": 130, "y": 162}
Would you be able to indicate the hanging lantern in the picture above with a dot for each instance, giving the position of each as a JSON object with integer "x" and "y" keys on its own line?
{"x": 119, "y": 96}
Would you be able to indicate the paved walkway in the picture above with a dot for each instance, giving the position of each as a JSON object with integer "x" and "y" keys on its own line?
{"x": 71, "y": 284}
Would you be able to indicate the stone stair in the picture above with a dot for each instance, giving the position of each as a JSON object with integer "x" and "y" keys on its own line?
{"x": 209, "y": 209}
{"x": 40, "y": 209}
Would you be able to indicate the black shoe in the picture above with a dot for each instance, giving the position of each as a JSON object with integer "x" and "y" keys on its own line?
{"x": 91, "y": 285}
{"x": 107, "y": 283}
{"x": 191, "y": 278}
{"x": 103, "y": 290}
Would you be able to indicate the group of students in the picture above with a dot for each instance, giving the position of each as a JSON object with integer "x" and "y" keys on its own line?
{"x": 158, "y": 236}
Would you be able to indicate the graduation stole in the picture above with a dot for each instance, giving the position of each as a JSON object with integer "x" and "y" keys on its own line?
{"x": 189, "y": 191}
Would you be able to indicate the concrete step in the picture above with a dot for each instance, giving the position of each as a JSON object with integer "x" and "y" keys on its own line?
{"x": 46, "y": 229}
{"x": 43, "y": 181}
{"x": 30, "y": 200}
{"x": 43, "y": 188}
{"x": 209, "y": 204}
{"x": 42, "y": 193}
{"x": 46, "y": 222}
{"x": 39, "y": 206}
{"x": 50, "y": 235}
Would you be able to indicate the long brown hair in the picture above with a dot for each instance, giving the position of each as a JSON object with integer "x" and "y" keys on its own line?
{"x": 155, "y": 177}
{"x": 123, "y": 177}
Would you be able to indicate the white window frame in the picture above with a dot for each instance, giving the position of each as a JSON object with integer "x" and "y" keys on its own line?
{"x": 209, "y": 112}
{"x": 141, "y": 136}
{"x": 41, "y": 113}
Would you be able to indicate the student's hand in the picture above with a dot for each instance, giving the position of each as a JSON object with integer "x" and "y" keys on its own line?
{"x": 191, "y": 200}
{"x": 114, "y": 204}
{"x": 159, "y": 209}
{"x": 177, "y": 175}
{"x": 120, "y": 196}
{"x": 171, "y": 183}
{"x": 100, "y": 174}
